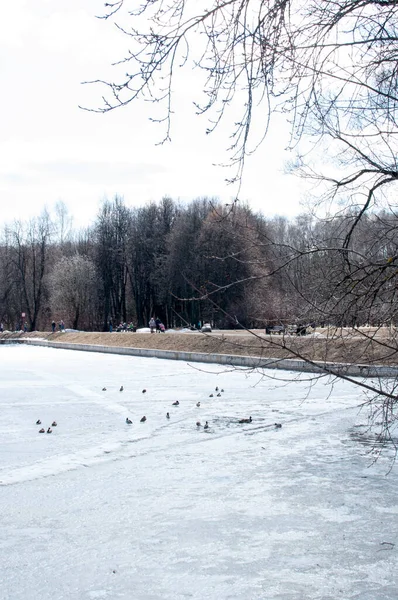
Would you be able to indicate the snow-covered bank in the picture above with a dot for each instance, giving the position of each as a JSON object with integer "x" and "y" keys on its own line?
{"x": 347, "y": 348}
{"x": 230, "y": 360}
{"x": 163, "y": 510}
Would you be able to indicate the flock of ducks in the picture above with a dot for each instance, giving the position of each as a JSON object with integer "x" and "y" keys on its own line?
{"x": 130, "y": 422}
{"x": 219, "y": 393}
{"x": 198, "y": 423}
{"x": 49, "y": 430}
{"x": 176, "y": 403}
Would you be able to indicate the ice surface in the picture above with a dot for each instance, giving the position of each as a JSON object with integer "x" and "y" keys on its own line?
{"x": 163, "y": 510}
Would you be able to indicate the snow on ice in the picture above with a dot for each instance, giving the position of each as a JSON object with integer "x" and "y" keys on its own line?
{"x": 166, "y": 510}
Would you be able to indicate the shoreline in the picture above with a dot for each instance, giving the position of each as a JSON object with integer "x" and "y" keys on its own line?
{"x": 350, "y": 356}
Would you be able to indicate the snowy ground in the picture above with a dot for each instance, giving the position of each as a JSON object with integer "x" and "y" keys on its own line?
{"x": 165, "y": 511}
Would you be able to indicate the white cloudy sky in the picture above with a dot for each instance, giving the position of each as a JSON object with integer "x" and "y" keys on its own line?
{"x": 51, "y": 150}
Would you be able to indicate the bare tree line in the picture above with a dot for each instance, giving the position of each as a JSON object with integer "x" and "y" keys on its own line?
{"x": 133, "y": 263}
{"x": 199, "y": 262}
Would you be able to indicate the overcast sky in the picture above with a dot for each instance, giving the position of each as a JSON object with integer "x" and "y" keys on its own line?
{"x": 52, "y": 150}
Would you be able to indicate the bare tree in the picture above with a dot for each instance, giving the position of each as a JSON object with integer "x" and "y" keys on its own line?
{"x": 30, "y": 245}
{"x": 9, "y": 304}
{"x": 111, "y": 236}
{"x": 147, "y": 257}
{"x": 72, "y": 284}
{"x": 63, "y": 222}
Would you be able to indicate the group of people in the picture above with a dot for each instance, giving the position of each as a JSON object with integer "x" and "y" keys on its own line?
{"x": 156, "y": 325}
{"x": 126, "y": 327}
{"x": 123, "y": 326}
{"x": 61, "y": 326}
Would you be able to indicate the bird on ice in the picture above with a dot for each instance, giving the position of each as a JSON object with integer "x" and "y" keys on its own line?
{"x": 143, "y": 419}
{"x": 121, "y": 388}
{"x": 249, "y": 420}
{"x": 128, "y": 421}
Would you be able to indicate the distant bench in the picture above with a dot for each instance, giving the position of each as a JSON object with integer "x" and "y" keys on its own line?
{"x": 275, "y": 329}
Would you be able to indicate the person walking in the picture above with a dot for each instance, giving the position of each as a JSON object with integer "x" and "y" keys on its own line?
{"x": 152, "y": 325}
{"x": 53, "y": 326}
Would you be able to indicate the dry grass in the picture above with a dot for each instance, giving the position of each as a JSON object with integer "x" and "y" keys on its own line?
{"x": 375, "y": 347}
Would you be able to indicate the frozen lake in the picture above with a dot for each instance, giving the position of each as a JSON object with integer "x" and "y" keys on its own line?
{"x": 163, "y": 510}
